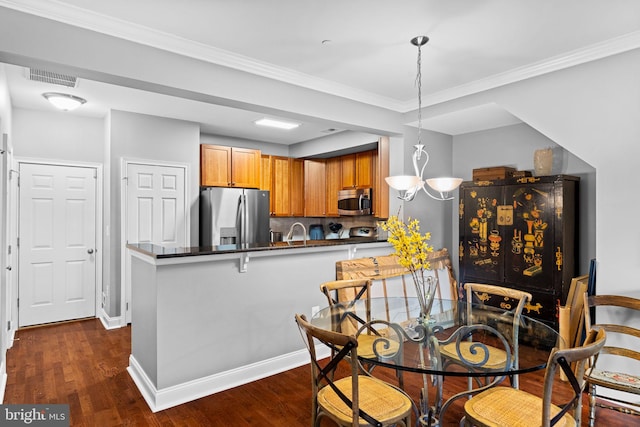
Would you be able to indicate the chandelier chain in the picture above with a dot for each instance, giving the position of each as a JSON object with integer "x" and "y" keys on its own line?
{"x": 419, "y": 83}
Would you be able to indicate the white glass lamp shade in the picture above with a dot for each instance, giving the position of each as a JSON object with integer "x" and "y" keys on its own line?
{"x": 64, "y": 101}
{"x": 444, "y": 185}
{"x": 403, "y": 182}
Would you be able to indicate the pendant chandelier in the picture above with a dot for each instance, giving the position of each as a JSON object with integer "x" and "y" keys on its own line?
{"x": 408, "y": 186}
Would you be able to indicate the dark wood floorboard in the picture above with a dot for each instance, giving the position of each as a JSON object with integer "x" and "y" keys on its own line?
{"x": 84, "y": 365}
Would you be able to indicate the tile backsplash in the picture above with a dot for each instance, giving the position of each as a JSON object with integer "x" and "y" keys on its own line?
{"x": 283, "y": 225}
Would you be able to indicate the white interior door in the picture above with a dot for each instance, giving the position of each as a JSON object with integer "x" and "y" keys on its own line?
{"x": 155, "y": 209}
{"x": 57, "y": 232}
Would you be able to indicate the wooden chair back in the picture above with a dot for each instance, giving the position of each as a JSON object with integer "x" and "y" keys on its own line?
{"x": 580, "y": 357}
{"x": 621, "y": 353}
{"x": 325, "y": 373}
{"x": 478, "y": 292}
{"x": 342, "y": 296}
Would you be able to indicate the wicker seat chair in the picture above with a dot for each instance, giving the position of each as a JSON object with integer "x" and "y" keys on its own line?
{"x": 497, "y": 358}
{"x": 342, "y": 295}
{"x": 506, "y": 406}
{"x": 623, "y": 336}
{"x": 353, "y": 400}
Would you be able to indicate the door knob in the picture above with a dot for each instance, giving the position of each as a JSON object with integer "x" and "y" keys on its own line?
{"x": 89, "y": 251}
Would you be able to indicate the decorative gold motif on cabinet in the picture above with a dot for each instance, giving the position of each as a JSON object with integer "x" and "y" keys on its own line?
{"x": 559, "y": 258}
{"x": 505, "y": 215}
{"x": 529, "y": 307}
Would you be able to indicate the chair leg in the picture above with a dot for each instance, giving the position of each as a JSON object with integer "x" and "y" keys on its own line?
{"x": 592, "y": 405}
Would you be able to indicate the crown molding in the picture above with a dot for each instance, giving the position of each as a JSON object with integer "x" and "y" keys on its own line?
{"x": 584, "y": 55}
{"x": 89, "y": 20}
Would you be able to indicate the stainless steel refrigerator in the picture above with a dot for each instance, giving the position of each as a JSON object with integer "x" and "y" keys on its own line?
{"x": 230, "y": 216}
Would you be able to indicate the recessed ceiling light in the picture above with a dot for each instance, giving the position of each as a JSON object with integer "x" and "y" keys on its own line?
{"x": 64, "y": 101}
{"x": 277, "y": 124}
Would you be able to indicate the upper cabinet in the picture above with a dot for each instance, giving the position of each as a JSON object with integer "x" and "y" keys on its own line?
{"x": 222, "y": 166}
{"x": 357, "y": 170}
{"x": 299, "y": 187}
{"x": 285, "y": 184}
{"x": 333, "y": 182}
{"x": 380, "y": 172}
{"x": 315, "y": 183}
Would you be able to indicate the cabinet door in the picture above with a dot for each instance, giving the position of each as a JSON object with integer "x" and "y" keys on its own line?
{"x": 482, "y": 246}
{"x": 280, "y": 186}
{"x": 215, "y": 165}
{"x": 314, "y": 188}
{"x": 297, "y": 187}
{"x": 531, "y": 262}
{"x": 265, "y": 172}
{"x": 380, "y": 172}
{"x": 348, "y": 170}
{"x": 245, "y": 168}
{"x": 266, "y": 178}
{"x": 364, "y": 169}
{"x": 333, "y": 171}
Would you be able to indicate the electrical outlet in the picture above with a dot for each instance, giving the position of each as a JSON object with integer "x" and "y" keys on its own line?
{"x": 314, "y": 310}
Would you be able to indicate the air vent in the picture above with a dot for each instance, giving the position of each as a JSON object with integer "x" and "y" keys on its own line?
{"x": 53, "y": 78}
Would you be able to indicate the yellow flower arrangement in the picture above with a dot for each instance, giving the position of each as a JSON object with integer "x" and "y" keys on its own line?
{"x": 412, "y": 249}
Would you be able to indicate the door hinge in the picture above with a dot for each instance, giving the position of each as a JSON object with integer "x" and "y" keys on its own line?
{"x": 9, "y": 250}
{"x": 18, "y": 302}
{"x": 18, "y": 242}
{"x": 8, "y": 325}
{"x": 127, "y": 307}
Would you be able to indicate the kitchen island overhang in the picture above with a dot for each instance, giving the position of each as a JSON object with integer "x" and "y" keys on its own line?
{"x": 200, "y": 324}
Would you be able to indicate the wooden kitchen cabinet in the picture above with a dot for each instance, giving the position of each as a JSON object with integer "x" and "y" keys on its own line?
{"x": 357, "y": 170}
{"x": 280, "y": 184}
{"x": 315, "y": 203}
{"x": 521, "y": 233}
{"x": 287, "y": 186}
{"x": 265, "y": 172}
{"x": 297, "y": 187}
{"x": 222, "y": 166}
{"x": 380, "y": 172}
{"x": 333, "y": 179}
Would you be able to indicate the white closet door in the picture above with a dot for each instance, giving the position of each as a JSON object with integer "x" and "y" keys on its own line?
{"x": 57, "y": 232}
{"x": 155, "y": 210}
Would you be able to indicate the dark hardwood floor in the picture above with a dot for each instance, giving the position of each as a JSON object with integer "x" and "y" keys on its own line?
{"x": 84, "y": 365}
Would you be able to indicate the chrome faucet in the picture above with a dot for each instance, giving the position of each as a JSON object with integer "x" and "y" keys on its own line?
{"x": 304, "y": 231}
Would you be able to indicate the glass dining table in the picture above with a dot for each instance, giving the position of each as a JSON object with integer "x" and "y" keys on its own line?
{"x": 445, "y": 343}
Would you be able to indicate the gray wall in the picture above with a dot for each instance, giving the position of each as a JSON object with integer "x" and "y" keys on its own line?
{"x": 56, "y": 135}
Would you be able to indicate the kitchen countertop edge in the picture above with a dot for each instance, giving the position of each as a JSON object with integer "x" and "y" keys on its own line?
{"x": 159, "y": 252}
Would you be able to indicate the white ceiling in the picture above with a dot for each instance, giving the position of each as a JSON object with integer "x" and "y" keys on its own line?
{"x": 358, "y": 49}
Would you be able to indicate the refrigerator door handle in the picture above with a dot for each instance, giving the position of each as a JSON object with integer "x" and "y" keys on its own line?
{"x": 240, "y": 220}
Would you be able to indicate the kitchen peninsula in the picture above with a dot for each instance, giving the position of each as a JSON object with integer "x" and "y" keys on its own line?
{"x": 206, "y": 319}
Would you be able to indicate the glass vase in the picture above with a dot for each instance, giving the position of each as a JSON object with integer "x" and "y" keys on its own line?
{"x": 425, "y": 290}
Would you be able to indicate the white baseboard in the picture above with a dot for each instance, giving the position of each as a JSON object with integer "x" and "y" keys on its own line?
{"x": 3, "y": 380}
{"x": 159, "y": 400}
{"x": 110, "y": 322}
{"x": 10, "y": 338}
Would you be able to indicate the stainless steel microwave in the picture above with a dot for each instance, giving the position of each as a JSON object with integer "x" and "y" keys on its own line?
{"x": 355, "y": 202}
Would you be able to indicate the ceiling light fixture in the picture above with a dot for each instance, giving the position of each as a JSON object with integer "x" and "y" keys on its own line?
{"x": 64, "y": 101}
{"x": 409, "y": 185}
{"x": 277, "y": 124}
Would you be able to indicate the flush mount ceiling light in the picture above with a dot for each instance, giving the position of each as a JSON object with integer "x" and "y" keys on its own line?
{"x": 409, "y": 185}
{"x": 64, "y": 101}
{"x": 279, "y": 124}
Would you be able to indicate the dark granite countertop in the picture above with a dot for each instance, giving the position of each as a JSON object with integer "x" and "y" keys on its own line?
{"x": 158, "y": 251}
